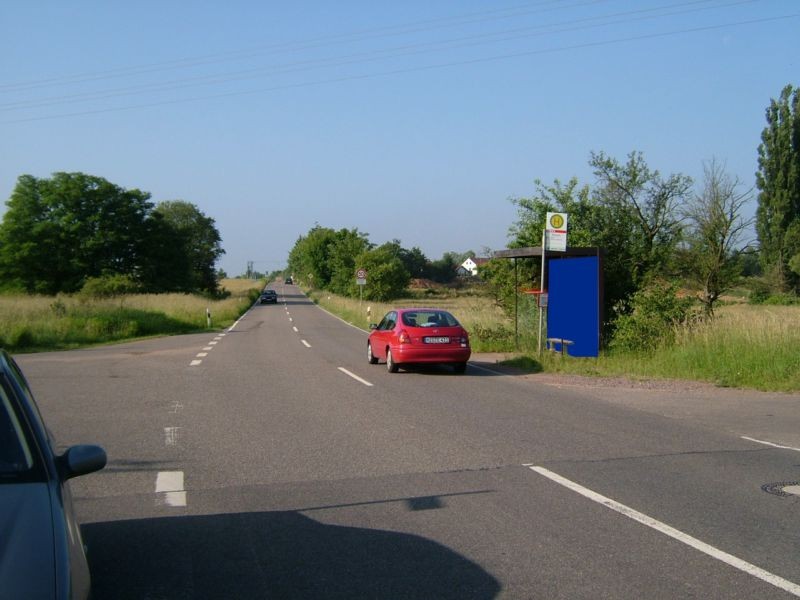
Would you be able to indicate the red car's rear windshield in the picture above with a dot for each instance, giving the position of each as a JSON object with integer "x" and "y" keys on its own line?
{"x": 429, "y": 318}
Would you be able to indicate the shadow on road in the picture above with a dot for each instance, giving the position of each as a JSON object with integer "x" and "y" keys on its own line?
{"x": 273, "y": 555}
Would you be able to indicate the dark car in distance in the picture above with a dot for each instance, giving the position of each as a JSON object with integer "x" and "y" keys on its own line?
{"x": 407, "y": 336}
{"x": 269, "y": 297}
{"x": 41, "y": 550}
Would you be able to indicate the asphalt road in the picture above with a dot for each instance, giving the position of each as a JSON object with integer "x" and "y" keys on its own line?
{"x": 271, "y": 461}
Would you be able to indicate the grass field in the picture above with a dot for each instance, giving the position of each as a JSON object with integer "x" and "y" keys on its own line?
{"x": 30, "y": 323}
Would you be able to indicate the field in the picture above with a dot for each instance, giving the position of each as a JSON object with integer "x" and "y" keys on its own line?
{"x": 747, "y": 346}
{"x": 30, "y": 323}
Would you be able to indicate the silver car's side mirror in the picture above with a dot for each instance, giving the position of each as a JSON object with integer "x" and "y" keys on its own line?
{"x": 82, "y": 460}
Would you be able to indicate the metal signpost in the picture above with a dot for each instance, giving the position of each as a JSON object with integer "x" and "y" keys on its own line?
{"x": 554, "y": 239}
{"x": 361, "y": 281}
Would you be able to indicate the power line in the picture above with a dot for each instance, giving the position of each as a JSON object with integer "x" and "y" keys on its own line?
{"x": 371, "y": 56}
{"x": 479, "y": 60}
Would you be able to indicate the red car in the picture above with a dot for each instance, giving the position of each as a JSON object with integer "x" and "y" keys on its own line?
{"x": 418, "y": 335}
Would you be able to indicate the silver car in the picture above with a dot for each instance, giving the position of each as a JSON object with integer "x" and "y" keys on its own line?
{"x": 41, "y": 549}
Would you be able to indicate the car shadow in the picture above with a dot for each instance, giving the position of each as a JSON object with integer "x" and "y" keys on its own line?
{"x": 281, "y": 554}
{"x": 482, "y": 370}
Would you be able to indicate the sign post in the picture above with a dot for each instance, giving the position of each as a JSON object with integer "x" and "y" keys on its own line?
{"x": 554, "y": 238}
{"x": 361, "y": 281}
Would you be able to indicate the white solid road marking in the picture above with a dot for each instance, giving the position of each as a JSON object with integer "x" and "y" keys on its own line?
{"x": 684, "y": 538}
{"x": 169, "y": 488}
{"x": 306, "y": 344}
{"x": 194, "y": 363}
{"x": 749, "y": 439}
{"x": 356, "y": 377}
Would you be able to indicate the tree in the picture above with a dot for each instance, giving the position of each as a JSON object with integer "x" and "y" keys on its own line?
{"x": 778, "y": 179}
{"x": 648, "y": 204}
{"x": 198, "y": 240}
{"x": 716, "y": 229}
{"x": 387, "y": 278}
{"x": 309, "y": 257}
{"x": 344, "y": 249}
{"x": 61, "y": 231}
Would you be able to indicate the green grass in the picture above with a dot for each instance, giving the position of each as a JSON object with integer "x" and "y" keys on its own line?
{"x": 745, "y": 346}
{"x": 32, "y": 323}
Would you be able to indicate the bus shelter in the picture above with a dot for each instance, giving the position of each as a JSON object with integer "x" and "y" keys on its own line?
{"x": 573, "y": 296}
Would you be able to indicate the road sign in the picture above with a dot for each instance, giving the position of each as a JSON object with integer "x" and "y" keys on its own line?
{"x": 556, "y": 232}
{"x": 361, "y": 277}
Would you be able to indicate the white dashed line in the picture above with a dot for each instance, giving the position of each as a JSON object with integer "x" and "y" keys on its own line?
{"x": 194, "y": 363}
{"x": 295, "y": 329}
{"x": 207, "y": 348}
{"x": 202, "y": 354}
{"x": 214, "y": 343}
{"x": 306, "y": 344}
{"x": 684, "y": 538}
{"x": 171, "y": 436}
{"x": 749, "y": 439}
{"x": 356, "y": 377}
{"x": 169, "y": 488}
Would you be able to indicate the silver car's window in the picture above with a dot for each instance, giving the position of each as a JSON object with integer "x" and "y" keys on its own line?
{"x": 15, "y": 454}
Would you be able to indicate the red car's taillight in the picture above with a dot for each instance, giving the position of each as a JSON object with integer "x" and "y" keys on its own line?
{"x": 403, "y": 337}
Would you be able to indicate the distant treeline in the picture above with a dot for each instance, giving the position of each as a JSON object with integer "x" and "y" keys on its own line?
{"x": 328, "y": 259}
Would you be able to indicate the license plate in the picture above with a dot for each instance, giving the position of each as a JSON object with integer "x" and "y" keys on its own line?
{"x": 437, "y": 340}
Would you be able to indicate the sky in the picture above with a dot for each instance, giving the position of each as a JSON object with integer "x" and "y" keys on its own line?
{"x": 418, "y": 120}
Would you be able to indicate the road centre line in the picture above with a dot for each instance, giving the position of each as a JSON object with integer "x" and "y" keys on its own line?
{"x": 354, "y": 376}
{"x": 684, "y": 538}
{"x": 306, "y": 344}
{"x": 207, "y": 348}
{"x": 195, "y": 363}
{"x": 749, "y": 439}
{"x": 201, "y": 354}
{"x": 295, "y": 329}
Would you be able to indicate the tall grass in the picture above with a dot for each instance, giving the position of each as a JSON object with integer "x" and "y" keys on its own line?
{"x": 744, "y": 346}
{"x": 66, "y": 321}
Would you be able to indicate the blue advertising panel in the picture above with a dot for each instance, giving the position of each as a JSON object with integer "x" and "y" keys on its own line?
{"x": 573, "y": 311}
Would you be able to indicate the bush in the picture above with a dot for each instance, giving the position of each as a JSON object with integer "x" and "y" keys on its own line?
{"x": 655, "y": 313}
{"x": 109, "y": 286}
{"x": 759, "y": 291}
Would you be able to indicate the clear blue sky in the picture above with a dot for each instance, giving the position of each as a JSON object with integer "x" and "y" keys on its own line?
{"x": 412, "y": 120}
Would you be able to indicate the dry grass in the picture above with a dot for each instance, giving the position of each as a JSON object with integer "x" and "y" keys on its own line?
{"x": 67, "y": 321}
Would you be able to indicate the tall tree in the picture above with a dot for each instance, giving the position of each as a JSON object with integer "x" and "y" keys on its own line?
{"x": 343, "y": 251}
{"x": 58, "y": 232}
{"x": 716, "y": 227}
{"x": 198, "y": 239}
{"x": 387, "y": 277}
{"x": 650, "y": 206}
{"x": 778, "y": 179}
